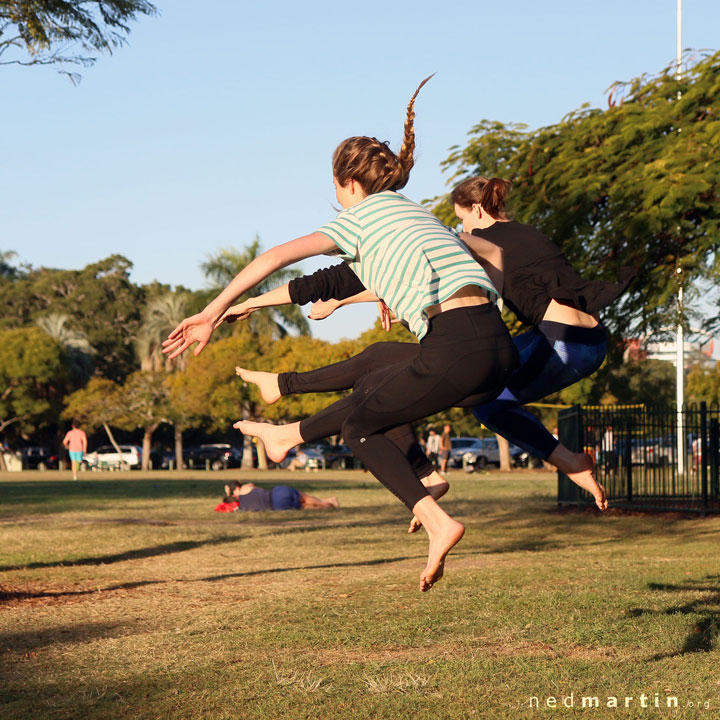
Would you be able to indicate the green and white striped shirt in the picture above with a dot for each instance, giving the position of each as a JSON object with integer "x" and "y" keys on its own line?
{"x": 405, "y": 255}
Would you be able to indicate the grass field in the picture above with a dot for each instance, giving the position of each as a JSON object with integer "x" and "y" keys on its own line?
{"x": 126, "y": 596}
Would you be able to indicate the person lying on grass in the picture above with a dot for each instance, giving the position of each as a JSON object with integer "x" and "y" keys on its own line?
{"x": 281, "y": 497}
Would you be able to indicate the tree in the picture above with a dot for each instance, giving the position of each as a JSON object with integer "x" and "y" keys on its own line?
{"x": 99, "y": 301}
{"x": 211, "y": 390}
{"x": 144, "y": 405}
{"x": 222, "y": 267}
{"x": 32, "y": 366}
{"x": 41, "y": 32}
{"x": 704, "y": 384}
{"x": 75, "y": 342}
{"x": 96, "y": 405}
{"x": 161, "y": 315}
{"x": 635, "y": 184}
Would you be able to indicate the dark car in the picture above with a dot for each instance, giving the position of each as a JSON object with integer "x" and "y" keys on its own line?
{"x": 218, "y": 455}
{"x": 337, "y": 457}
{"x": 38, "y": 458}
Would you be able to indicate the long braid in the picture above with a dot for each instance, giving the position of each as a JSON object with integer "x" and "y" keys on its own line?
{"x": 372, "y": 163}
{"x": 407, "y": 150}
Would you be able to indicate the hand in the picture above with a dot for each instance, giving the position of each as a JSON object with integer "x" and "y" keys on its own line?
{"x": 195, "y": 329}
{"x": 387, "y": 316}
{"x": 323, "y": 308}
{"x": 236, "y": 312}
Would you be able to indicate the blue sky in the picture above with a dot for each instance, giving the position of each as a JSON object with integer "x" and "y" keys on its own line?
{"x": 206, "y": 130}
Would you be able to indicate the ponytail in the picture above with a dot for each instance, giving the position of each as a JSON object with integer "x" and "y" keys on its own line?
{"x": 490, "y": 194}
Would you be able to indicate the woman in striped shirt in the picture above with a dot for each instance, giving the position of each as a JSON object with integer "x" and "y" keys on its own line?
{"x": 423, "y": 272}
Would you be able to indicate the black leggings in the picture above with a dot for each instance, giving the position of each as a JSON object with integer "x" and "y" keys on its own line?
{"x": 467, "y": 355}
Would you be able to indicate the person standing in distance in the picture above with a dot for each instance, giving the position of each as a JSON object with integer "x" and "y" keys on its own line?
{"x": 75, "y": 441}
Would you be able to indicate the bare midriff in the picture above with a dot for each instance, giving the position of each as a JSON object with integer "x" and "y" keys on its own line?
{"x": 465, "y": 297}
{"x": 568, "y": 315}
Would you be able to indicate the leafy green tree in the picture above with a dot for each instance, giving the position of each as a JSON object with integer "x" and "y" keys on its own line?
{"x": 224, "y": 265}
{"x": 143, "y": 405}
{"x": 43, "y": 32}
{"x": 32, "y": 366}
{"x": 96, "y": 405}
{"x": 634, "y": 184}
{"x": 703, "y": 384}
{"x": 99, "y": 300}
{"x": 211, "y": 390}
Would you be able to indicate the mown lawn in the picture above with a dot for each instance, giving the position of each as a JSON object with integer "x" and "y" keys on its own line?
{"x": 126, "y": 596}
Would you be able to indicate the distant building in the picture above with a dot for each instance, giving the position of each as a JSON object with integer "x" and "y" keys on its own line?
{"x": 696, "y": 353}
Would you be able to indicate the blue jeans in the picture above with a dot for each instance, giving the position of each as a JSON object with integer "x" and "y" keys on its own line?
{"x": 552, "y": 357}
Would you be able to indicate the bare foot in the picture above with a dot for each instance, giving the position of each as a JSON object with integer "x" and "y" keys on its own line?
{"x": 585, "y": 478}
{"x": 267, "y": 383}
{"x": 333, "y": 501}
{"x": 278, "y": 439}
{"x": 437, "y": 486}
{"x": 442, "y": 541}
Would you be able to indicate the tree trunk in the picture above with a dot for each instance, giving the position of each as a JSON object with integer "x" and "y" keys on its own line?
{"x": 113, "y": 442}
{"x": 262, "y": 455}
{"x": 504, "y": 447}
{"x": 147, "y": 442}
{"x": 247, "y": 458}
{"x": 178, "y": 447}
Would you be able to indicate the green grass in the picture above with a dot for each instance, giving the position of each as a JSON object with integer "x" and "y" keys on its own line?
{"x": 126, "y": 596}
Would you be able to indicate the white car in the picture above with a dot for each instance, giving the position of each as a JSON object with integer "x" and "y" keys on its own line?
{"x": 107, "y": 458}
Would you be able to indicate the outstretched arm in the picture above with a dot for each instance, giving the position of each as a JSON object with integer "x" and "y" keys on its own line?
{"x": 199, "y": 328}
{"x": 324, "y": 308}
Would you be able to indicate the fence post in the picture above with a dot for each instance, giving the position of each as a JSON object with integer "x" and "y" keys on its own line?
{"x": 703, "y": 458}
{"x": 628, "y": 460}
{"x": 713, "y": 451}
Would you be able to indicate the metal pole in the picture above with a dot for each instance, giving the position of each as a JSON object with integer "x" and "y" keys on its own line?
{"x": 680, "y": 340}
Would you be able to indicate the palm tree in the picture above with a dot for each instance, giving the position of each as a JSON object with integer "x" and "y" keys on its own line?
{"x": 75, "y": 342}
{"x": 224, "y": 265}
{"x": 161, "y": 315}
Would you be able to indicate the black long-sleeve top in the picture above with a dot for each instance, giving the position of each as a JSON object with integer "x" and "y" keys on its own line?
{"x": 534, "y": 272}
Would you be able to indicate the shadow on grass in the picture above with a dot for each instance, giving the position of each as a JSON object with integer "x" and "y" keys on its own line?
{"x": 270, "y": 571}
{"x": 140, "y": 554}
{"x": 10, "y": 595}
{"x": 28, "y": 640}
{"x": 705, "y": 631}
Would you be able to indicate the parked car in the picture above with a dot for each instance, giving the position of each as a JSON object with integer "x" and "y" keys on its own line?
{"x": 219, "y": 456}
{"x": 480, "y": 452}
{"x": 106, "y": 457}
{"x": 38, "y": 458}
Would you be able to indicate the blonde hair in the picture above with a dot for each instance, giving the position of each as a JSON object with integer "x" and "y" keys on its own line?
{"x": 372, "y": 163}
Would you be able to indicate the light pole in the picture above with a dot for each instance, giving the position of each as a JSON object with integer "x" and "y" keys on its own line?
{"x": 680, "y": 340}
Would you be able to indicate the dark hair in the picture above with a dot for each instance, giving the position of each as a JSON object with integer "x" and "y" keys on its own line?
{"x": 490, "y": 194}
{"x": 232, "y": 485}
{"x": 372, "y": 163}
{"x": 75, "y": 424}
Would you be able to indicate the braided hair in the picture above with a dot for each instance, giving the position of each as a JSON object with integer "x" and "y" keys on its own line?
{"x": 372, "y": 163}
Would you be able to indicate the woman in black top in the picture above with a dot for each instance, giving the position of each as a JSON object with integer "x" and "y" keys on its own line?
{"x": 566, "y": 344}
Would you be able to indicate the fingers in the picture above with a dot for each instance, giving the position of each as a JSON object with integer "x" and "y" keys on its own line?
{"x": 170, "y": 346}
{"x": 183, "y": 346}
{"x": 177, "y": 332}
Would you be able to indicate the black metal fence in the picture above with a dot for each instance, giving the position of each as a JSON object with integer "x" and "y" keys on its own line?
{"x": 639, "y": 459}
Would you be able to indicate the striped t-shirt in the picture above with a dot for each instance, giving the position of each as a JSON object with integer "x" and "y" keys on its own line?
{"x": 405, "y": 255}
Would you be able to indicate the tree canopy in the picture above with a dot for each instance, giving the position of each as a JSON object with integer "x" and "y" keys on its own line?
{"x": 634, "y": 184}
{"x": 48, "y": 32}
